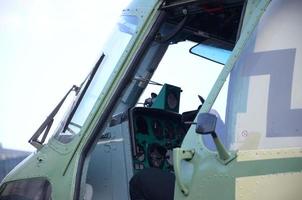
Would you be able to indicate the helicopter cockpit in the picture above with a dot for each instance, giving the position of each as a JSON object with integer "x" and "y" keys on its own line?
{"x": 146, "y": 94}
{"x": 153, "y": 116}
{"x": 148, "y": 118}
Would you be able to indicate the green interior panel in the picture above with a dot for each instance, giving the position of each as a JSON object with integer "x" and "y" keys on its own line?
{"x": 155, "y": 133}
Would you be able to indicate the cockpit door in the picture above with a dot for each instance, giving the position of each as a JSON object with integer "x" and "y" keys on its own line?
{"x": 262, "y": 120}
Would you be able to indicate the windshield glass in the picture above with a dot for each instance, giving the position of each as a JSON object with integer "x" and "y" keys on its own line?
{"x": 113, "y": 50}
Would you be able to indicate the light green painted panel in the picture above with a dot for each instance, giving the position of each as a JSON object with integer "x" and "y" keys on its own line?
{"x": 270, "y": 187}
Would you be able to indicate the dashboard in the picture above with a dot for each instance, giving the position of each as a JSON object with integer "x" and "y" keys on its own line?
{"x": 154, "y": 134}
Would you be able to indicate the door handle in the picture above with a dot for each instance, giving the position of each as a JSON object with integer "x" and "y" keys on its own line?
{"x": 179, "y": 155}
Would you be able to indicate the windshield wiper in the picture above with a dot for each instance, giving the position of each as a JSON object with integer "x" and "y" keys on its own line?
{"x": 46, "y": 125}
{"x": 90, "y": 77}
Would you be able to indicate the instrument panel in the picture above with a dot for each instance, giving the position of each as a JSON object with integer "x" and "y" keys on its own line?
{"x": 155, "y": 132}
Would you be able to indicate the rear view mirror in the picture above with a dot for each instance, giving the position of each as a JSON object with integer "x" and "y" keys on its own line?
{"x": 206, "y": 123}
{"x": 213, "y": 53}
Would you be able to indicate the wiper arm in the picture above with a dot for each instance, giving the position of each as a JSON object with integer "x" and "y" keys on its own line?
{"x": 89, "y": 77}
{"x": 46, "y": 125}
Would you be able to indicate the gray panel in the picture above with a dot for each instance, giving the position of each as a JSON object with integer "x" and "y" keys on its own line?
{"x": 120, "y": 169}
{"x": 99, "y": 172}
{"x": 110, "y": 168}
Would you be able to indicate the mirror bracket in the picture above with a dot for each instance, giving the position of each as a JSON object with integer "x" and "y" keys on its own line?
{"x": 231, "y": 156}
{"x": 206, "y": 124}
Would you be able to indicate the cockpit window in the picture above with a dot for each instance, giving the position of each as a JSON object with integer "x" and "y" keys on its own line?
{"x": 113, "y": 50}
{"x": 195, "y": 80}
{"x": 27, "y": 189}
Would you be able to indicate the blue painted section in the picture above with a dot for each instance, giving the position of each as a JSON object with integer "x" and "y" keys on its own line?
{"x": 282, "y": 121}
